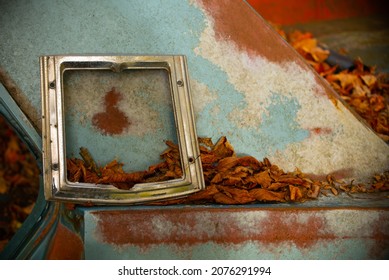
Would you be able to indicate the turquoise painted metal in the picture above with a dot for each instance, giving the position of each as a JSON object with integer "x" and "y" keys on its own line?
{"x": 247, "y": 84}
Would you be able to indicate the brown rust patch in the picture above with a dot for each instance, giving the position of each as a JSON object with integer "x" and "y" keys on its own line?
{"x": 380, "y": 236}
{"x": 112, "y": 121}
{"x": 284, "y": 227}
{"x": 66, "y": 245}
{"x": 236, "y": 21}
{"x": 186, "y": 227}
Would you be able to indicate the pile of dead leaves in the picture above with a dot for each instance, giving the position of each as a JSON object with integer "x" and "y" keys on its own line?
{"x": 364, "y": 90}
{"x": 19, "y": 182}
{"x": 85, "y": 170}
{"x": 229, "y": 179}
{"x": 367, "y": 93}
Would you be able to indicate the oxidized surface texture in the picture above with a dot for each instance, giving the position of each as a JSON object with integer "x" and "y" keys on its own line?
{"x": 284, "y": 102}
{"x": 183, "y": 232}
{"x": 247, "y": 83}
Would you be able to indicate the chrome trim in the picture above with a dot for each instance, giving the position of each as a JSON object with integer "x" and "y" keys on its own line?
{"x": 56, "y": 185}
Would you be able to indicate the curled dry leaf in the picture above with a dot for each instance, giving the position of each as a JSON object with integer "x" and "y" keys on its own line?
{"x": 266, "y": 195}
{"x": 364, "y": 90}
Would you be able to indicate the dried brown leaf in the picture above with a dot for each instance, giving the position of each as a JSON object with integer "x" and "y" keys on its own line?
{"x": 263, "y": 178}
{"x": 239, "y": 195}
{"x": 204, "y": 195}
{"x": 267, "y": 196}
{"x": 223, "y": 148}
{"x": 295, "y": 193}
{"x": 224, "y": 199}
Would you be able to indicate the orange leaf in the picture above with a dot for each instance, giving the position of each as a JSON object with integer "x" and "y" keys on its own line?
{"x": 266, "y": 195}
{"x": 295, "y": 193}
{"x": 223, "y": 148}
{"x": 239, "y": 195}
{"x": 263, "y": 178}
{"x": 204, "y": 195}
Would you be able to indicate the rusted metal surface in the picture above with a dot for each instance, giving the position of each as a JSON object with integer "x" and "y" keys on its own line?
{"x": 249, "y": 85}
{"x": 65, "y": 245}
{"x": 295, "y": 11}
{"x": 111, "y": 121}
{"x": 239, "y": 30}
{"x": 282, "y": 233}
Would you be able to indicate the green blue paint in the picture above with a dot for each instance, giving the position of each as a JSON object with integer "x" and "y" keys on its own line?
{"x": 33, "y": 28}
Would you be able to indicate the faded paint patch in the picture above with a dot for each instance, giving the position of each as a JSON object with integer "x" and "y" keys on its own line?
{"x": 370, "y": 223}
{"x": 353, "y": 224}
{"x": 201, "y": 95}
{"x": 279, "y": 126}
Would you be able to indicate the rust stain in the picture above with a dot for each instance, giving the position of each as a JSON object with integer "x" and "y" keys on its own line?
{"x": 296, "y": 11}
{"x": 52, "y": 219}
{"x": 380, "y": 236}
{"x": 186, "y": 227}
{"x": 320, "y": 130}
{"x": 236, "y": 22}
{"x": 65, "y": 245}
{"x": 337, "y": 174}
{"x": 112, "y": 121}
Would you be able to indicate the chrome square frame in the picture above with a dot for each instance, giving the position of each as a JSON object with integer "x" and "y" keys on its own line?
{"x": 56, "y": 185}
